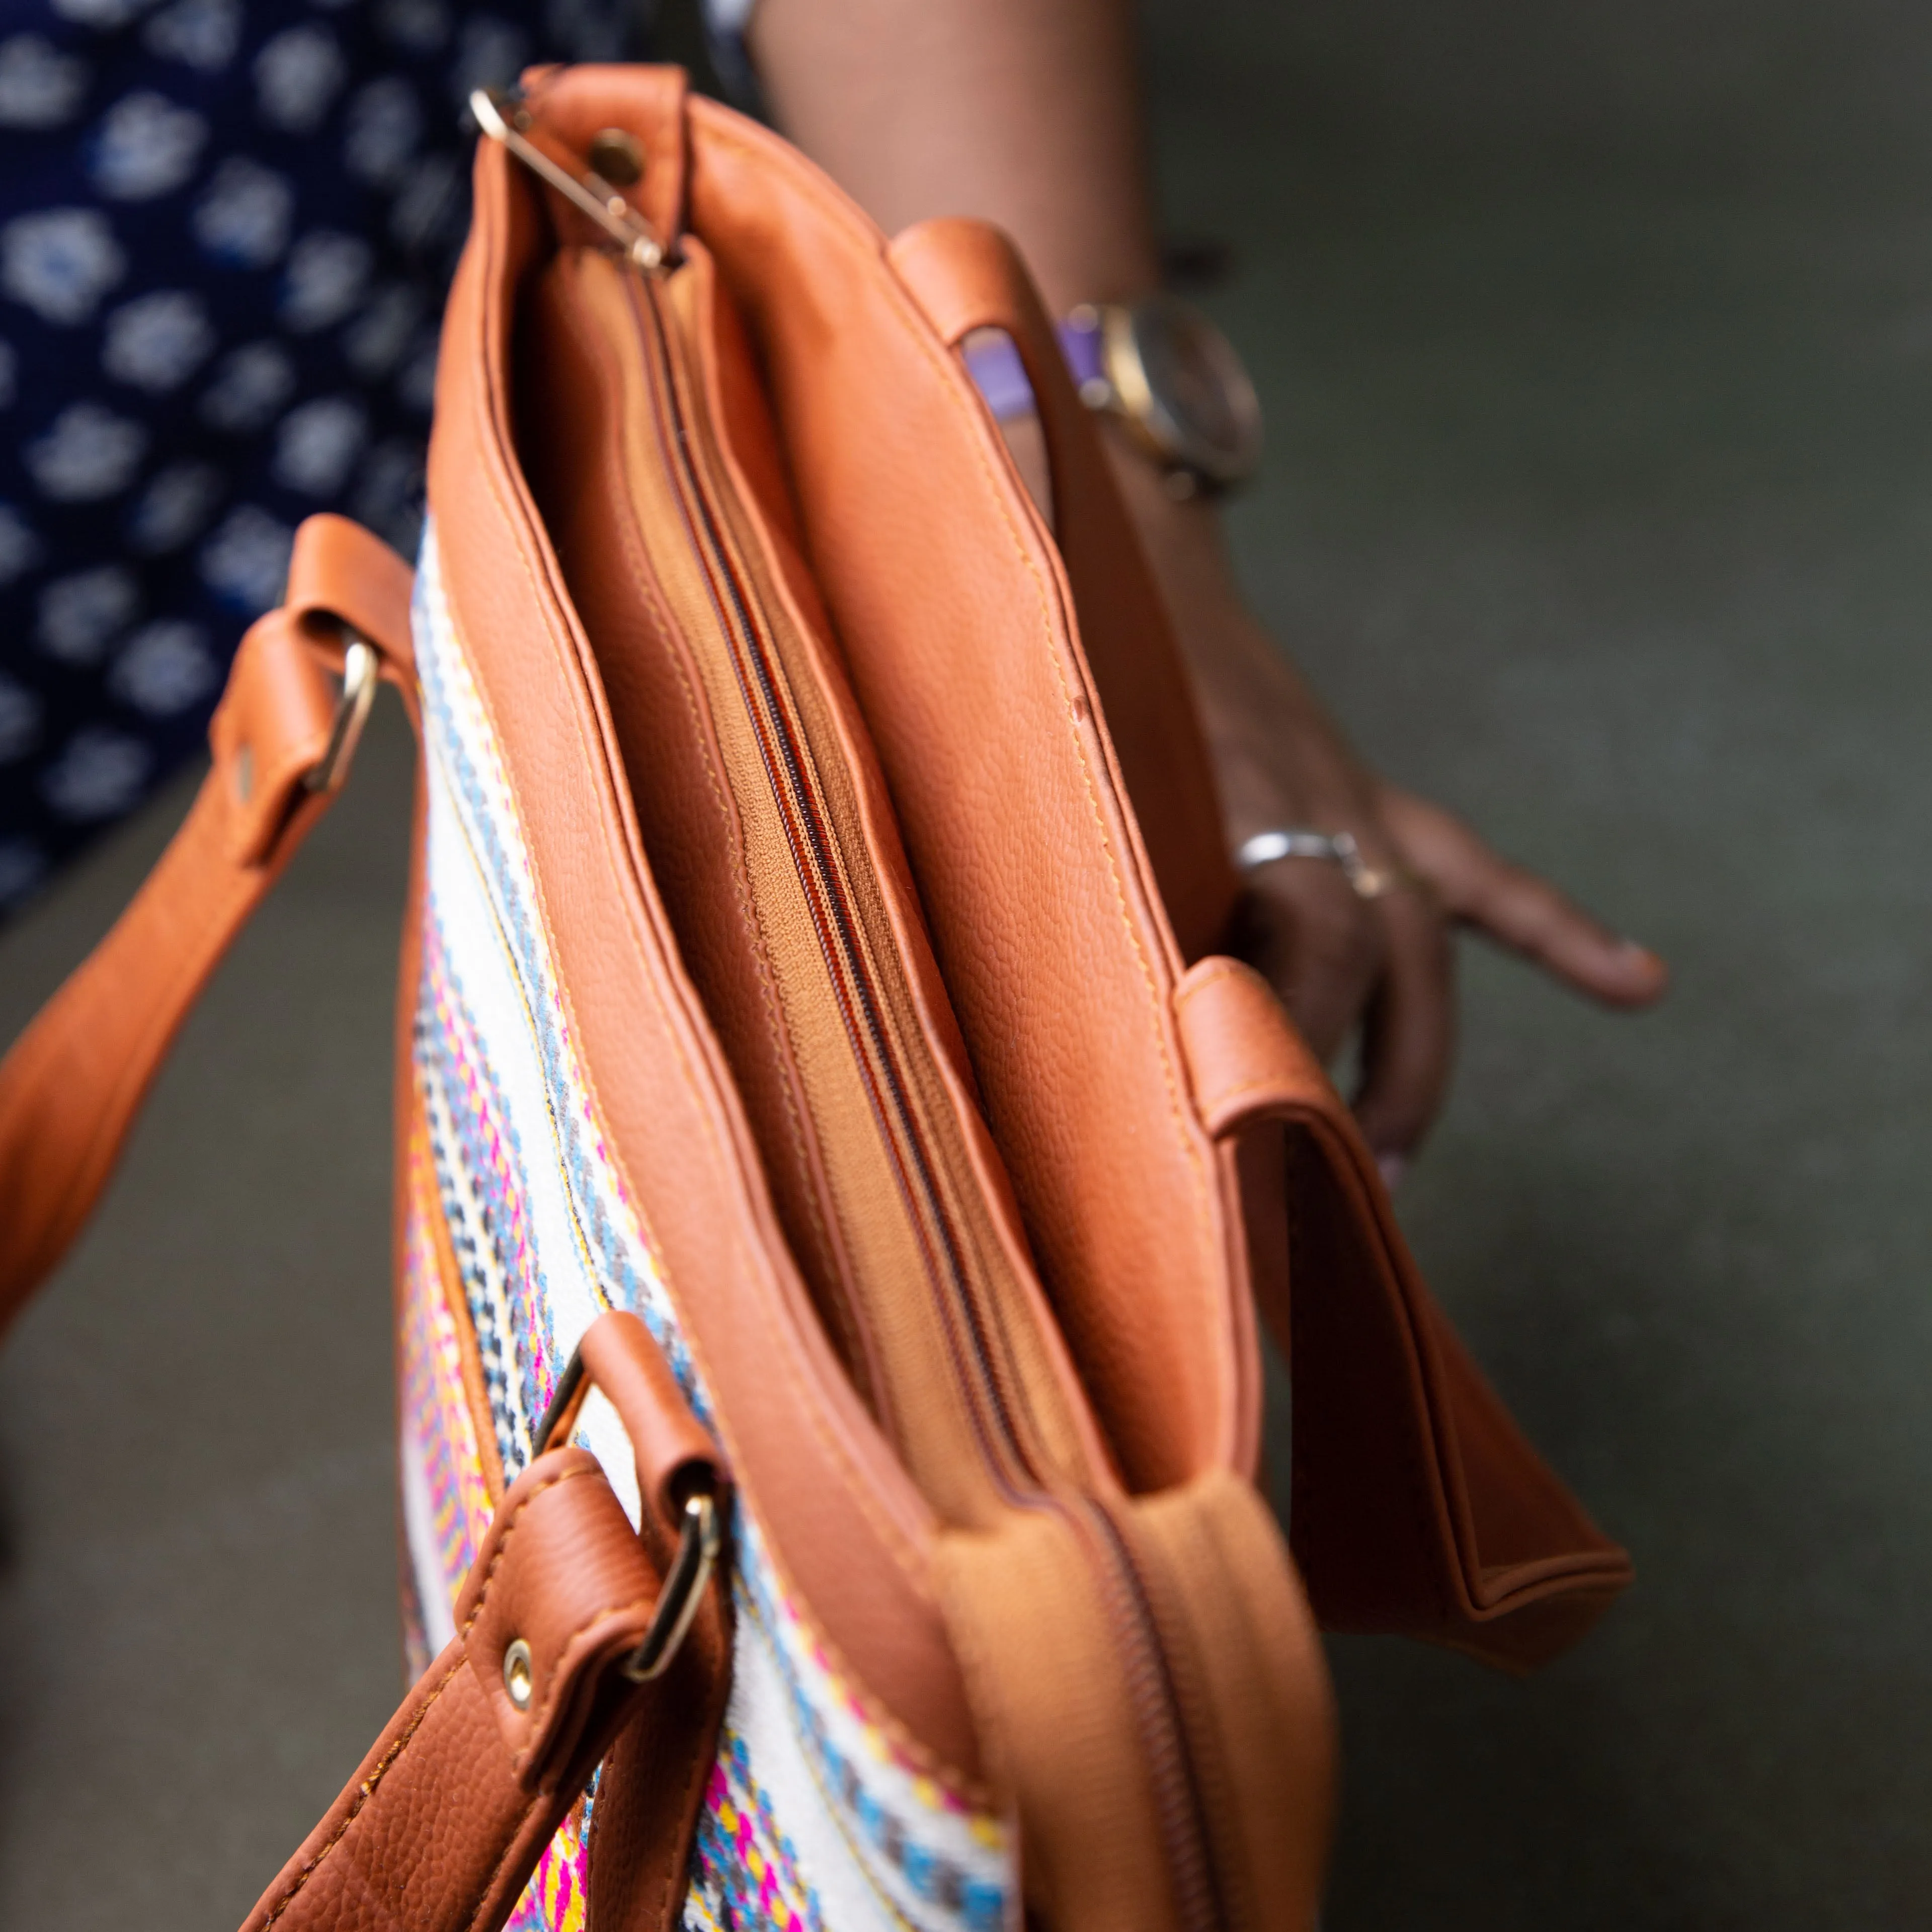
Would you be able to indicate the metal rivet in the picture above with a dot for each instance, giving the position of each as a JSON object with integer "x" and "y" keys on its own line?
{"x": 519, "y": 1674}
{"x": 245, "y": 772}
{"x": 618, "y": 157}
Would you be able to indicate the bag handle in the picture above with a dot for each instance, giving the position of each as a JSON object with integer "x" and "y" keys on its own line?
{"x": 1416, "y": 1505}
{"x": 495, "y": 1741}
{"x": 966, "y": 275}
{"x": 281, "y": 741}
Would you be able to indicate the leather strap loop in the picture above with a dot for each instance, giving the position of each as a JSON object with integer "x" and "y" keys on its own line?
{"x": 1246, "y": 1062}
{"x": 445, "y": 1818}
{"x": 672, "y": 1447}
{"x": 576, "y": 1597}
{"x": 1417, "y": 1506}
{"x": 339, "y": 574}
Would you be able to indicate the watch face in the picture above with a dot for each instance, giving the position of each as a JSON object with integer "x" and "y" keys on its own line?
{"x": 1182, "y": 387}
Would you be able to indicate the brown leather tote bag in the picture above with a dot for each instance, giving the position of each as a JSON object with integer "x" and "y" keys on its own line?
{"x": 836, "y": 1173}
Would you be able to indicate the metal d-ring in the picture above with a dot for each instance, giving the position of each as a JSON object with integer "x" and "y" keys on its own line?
{"x": 698, "y": 1546}
{"x": 701, "y": 1536}
{"x": 361, "y": 668}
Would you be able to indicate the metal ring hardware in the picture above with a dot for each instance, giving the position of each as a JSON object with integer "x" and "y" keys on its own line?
{"x": 1338, "y": 848}
{"x": 360, "y": 669}
{"x": 502, "y": 120}
{"x": 698, "y": 1546}
{"x": 701, "y": 1536}
{"x": 562, "y": 1396}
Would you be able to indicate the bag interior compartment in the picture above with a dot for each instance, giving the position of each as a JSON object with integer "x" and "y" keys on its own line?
{"x": 992, "y": 701}
{"x": 647, "y": 444}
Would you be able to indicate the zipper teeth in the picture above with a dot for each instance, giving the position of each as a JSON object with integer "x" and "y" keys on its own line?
{"x": 832, "y": 919}
{"x": 1178, "y": 1802}
{"x": 1178, "y": 1798}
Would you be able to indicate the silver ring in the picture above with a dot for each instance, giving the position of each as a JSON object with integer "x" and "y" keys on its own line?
{"x": 1338, "y": 848}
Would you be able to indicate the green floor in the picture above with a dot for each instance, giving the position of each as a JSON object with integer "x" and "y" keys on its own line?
{"x": 1596, "y": 345}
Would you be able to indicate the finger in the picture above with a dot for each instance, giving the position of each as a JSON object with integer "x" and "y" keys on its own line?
{"x": 1304, "y": 929}
{"x": 1408, "y": 1036}
{"x": 1516, "y": 908}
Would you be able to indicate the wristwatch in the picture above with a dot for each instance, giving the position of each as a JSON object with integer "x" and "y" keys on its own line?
{"x": 1175, "y": 384}
{"x": 1162, "y": 370}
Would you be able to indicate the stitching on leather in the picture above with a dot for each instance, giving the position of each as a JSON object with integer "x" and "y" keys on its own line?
{"x": 547, "y": 595}
{"x": 914, "y": 1563}
{"x": 1222, "y": 1096}
{"x": 645, "y": 573}
{"x": 964, "y": 1632}
{"x": 895, "y": 1014}
{"x": 1211, "y": 974}
{"x": 1215, "y": 1100}
{"x": 541, "y": 1716}
{"x": 366, "y": 1791}
{"x": 1046, "y": 601}
{"x": 549, "y": 1483}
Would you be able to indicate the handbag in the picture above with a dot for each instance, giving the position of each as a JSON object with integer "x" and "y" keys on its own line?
{"x": 835, "y": 1172}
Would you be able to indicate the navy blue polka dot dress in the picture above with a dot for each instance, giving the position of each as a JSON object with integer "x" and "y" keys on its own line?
{"x": 226, "y": 228}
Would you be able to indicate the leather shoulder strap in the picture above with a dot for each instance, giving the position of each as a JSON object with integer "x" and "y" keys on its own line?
{"x": 444, "y": 1820}
{"x": 74, "y": 1081}
{"x": 1417, "y": 1504}
{"x": 561, "y": 1573}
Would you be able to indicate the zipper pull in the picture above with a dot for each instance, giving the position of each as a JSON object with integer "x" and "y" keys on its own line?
{"x": 500, "y": 117}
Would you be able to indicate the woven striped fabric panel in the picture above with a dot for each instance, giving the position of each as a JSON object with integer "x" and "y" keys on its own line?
{"x": 520, "y": 1230}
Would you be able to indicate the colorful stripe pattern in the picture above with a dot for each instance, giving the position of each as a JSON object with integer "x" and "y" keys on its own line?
{"x": 447, "y": 1504}
{"x": 555, "y": 1900}
{"x": 858, "y": 1810}
{"x": 476, "y": 1166}
{"x": 817, "y": 1818}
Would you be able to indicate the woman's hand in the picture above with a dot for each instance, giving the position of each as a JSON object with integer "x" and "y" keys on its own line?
{"x": 1341, "y": 961}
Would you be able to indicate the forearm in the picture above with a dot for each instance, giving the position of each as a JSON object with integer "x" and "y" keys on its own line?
{"x": 1025, "y": 113}
{"x": 1253, "y": 701}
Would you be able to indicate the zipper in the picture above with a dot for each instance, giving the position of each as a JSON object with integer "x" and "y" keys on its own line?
{"x": 763, "y": 685}
{"x": 967, "y": 1324}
